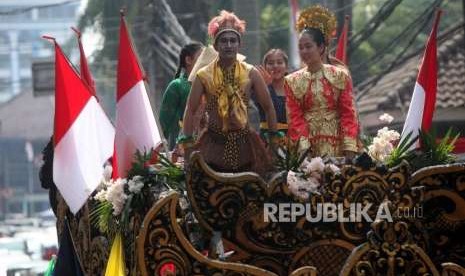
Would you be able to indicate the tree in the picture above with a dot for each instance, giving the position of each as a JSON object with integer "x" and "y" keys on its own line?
{"x": 402, "y": 33}
{"x": 157, "y": 34}
{"x": 274, "y": 22}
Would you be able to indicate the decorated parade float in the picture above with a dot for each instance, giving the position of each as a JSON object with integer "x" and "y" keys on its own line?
{"x": 162, "y": 220}
{"x": 395, "y": 208}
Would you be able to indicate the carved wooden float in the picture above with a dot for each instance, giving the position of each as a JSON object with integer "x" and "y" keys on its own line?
{"x": 233, "y": 204}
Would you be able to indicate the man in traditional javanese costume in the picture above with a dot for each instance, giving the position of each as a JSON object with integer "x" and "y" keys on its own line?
{"x": 228, "y": 144}
{"x": 319, "y": 97}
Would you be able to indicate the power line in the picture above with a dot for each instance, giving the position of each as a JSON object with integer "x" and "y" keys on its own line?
{"x": 381, "y": 54}
{"x": 397, "y": 60}
{"x": 383, "y": 13}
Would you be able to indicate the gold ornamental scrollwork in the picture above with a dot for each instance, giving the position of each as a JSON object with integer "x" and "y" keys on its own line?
{"x": 162, "y": 240}
{"x": 389, "y": 251}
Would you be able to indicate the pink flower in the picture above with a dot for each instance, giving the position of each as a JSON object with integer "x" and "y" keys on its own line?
{"x": 213, "y": 28}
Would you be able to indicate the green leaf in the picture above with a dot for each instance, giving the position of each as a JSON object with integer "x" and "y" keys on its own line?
{"x": 101, "y": 216}
{"x": 402, "y": 151}
{"x": 435, "y": 151}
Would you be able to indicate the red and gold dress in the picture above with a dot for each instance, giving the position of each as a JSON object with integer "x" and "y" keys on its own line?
{"x": 322, "y": 111}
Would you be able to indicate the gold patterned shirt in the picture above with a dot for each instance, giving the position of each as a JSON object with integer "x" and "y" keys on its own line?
{"x": 321, "y": 110}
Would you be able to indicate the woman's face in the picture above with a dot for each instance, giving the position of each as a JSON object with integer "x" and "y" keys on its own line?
{"x": 190, "y": 60}
{"x": 276, "y": 66}
{"x": 309, "y": 51}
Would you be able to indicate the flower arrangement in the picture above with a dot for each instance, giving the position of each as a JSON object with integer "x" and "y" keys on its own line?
{"x": 309, "y": 178}
{"x": 116, "y": 200}
{"x": 304, "y": 176}
{"x": 390, "y": 148}
{"x": 383, "y": 144}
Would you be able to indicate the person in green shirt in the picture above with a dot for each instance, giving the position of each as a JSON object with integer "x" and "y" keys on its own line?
{"x": 175, "y": 95}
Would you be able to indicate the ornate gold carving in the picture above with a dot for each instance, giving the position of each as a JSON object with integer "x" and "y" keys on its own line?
{"x": 304, "y": 271}
{"x": 444, "y": 211}
{"x": 243, "y": 224}
{"x": 161, "y": 240}
{"x": 233, "y": 204}
{"x": 451, "y": 269}
{"x": 327, "y": 255}
{"x": 389, "y": 251}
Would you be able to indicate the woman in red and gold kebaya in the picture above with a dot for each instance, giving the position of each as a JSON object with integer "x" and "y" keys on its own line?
{"x": 319, "y": 97}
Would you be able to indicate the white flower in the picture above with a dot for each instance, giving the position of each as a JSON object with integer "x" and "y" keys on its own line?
{"x": 305, "y": 164}
{"x": 136, "y": 184}
{"x": 302, "y": 187}
{"x": 382, "y": 145}
{"x": 101, "y": 195}
{"x": 116, "y": 196}
{"x": 388, "y": 134}
{"x": 292, "y": 181}
{"x": 332, "y": 168}
{"x": 380, "y": 149}
{"x": 302, "y": 194}
{"x": 316, "y": 164}
{"x": 387, "y": 118}
{"x": 313, "y": 184}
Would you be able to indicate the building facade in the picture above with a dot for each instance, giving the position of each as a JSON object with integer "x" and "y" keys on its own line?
{"x": 22, "y": 23}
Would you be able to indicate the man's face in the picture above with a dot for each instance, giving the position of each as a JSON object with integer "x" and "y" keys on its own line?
{"x": 227, "y": 45}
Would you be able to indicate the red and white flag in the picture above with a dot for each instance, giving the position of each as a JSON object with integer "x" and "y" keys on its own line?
{"x": 83, "y": 135}
{"x": 341, "y": 50}
{"x": 136, "y": 128}
{"x": 421, "y": 109}
{"x": 84, "y": 68}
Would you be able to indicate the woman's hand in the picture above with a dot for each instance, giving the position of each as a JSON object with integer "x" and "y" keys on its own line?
{"x": 265, "y": 75}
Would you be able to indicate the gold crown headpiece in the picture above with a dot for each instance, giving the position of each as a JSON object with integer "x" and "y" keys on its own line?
{"x": 320, "y": 18}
